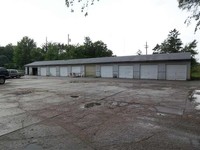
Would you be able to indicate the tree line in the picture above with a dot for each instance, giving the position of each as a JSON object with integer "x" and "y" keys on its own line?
{"x": 26, "y": 51}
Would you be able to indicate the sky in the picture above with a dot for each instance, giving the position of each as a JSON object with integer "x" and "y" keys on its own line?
{"x": 124, "y": 25}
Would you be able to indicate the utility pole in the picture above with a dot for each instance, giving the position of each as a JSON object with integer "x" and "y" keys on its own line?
{"x": 146, "y": 47}
{"x": 46, "y": 44}
{"x": 68, "y": 40}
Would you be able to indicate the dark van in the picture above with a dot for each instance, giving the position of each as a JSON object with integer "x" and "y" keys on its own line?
{"x": 4, "y": 74}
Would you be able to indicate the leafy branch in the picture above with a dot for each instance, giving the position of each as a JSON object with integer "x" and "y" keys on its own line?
{"x": 84, "y": 5}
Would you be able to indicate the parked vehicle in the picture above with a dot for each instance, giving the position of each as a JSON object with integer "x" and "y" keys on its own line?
{"x": 13, "y": 73}
{"x": 21, "y": 73}
{"x": 4, "y": 74}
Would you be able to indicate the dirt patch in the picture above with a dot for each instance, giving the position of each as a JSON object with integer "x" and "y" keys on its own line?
{"x": 89, "y": 105}
{"x": 79, "y": 81}
{"x": 23, "y": 91}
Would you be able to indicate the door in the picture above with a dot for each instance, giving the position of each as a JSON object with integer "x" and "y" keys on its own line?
{"x": 107, "y": 71}
{"x": 76, "y": 69}
{"x": 43, "y": 71}
{"x": 176, "y": 72}
{"x": 149, "y": 72}
{"x": 90, "y": 70}
{"x": 126, "y": 72}
{"x": 52, "y": 71}
{"x": 63, "y": 72}
{"x": 35, "y": 71}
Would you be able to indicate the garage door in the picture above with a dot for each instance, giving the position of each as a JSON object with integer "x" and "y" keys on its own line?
{"x": 52, "y": 71}
{"x": 63, "y": 71}
{"x": 43, "y": 71}
{"x": 106, "y": 71}
{"x": 90, "y": 70}
{"x": 149, "y": 72}
{"x": 126, "y": 72}
{"x": 176, "y": 72}
{"x": 76, "y": 69}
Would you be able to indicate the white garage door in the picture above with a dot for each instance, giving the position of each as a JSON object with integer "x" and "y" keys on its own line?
{"x": 126, "y": 72}
{"x": 76, "y": 69}
{"x": 52, "y": 71}
{"x": 176, "y": 72}
{"x": 63, "y": 71}
{"x": 149, "y": 72}
{"x": 43, "y": 71}
{"x": 106, "y": 71}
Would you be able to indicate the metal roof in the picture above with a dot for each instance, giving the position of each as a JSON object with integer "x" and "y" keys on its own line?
{"x": 121, "y": 59}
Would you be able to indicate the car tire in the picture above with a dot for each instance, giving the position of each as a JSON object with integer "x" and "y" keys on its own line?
{"x": 2, "y": 80}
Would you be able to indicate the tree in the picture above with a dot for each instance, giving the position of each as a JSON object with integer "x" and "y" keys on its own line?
{"x": 173, "y": 44}
{"x": 96, "y": 49}
{"x": 52, "y": 52}
{"x": 89, "y": 49}
{"x": 139, "y": 52}
{"x": 26, "y": 52}
{"x": 37, "y": 54}
{"x": 3, "y": 60}
{"x": 84, "y": 4}
{"x": 23, "y": 50}
{"x": 101, "y": 50}
{"x": 192, "y": 6}
{"x": 69, "y": 53}
{"x": 7, "y": 51}
{"x": 191, "y": 47}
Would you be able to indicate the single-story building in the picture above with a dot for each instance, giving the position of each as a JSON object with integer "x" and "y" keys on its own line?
{"x": 174, "y": 66}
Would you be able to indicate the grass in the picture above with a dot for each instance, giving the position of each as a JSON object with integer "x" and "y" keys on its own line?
{"x": 195, "y": 73}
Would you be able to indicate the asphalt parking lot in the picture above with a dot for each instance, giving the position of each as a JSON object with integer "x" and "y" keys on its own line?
{"x": 46, "y": 113}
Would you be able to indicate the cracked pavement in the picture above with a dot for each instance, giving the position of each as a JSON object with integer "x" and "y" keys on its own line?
{"x": 47, "y": 113}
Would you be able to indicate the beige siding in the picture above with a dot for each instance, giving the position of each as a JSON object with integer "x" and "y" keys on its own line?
{"x": 90, "y": 71}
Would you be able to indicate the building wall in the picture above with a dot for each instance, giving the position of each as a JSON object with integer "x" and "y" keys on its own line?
{"x": 115, "y": 71}
{"x": 98, "y": 71}
{"x": 26, "y": 70}
{"x": 57, "y": 71}
{"x": 39, "y": 71}
{"x": 69, "y": 69}
{"x": 82, "y": 70}
{"x": 136, "y": 71}
{"x": 136, "y": 68}
{"x": 182, "y": 63}
{"x": 48, "y": 70}
{"x": 162, "y": 71}
{"x": 30, "y": 71}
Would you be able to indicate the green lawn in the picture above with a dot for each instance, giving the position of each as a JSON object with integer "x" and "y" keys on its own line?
{"x": 195, "y": 73}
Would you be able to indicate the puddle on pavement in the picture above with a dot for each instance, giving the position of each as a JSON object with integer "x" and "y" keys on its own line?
{"x": 195, "y": 97}
{"x": 162, "y": 110}
{"x": 33, "y": 147}
{"x": 74, "y": 96}
{"x": 78, "y": 81}
{"x": 89, "y": 105}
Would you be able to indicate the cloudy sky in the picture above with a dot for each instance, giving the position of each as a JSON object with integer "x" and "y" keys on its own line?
{"x": 124, "y": 25}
